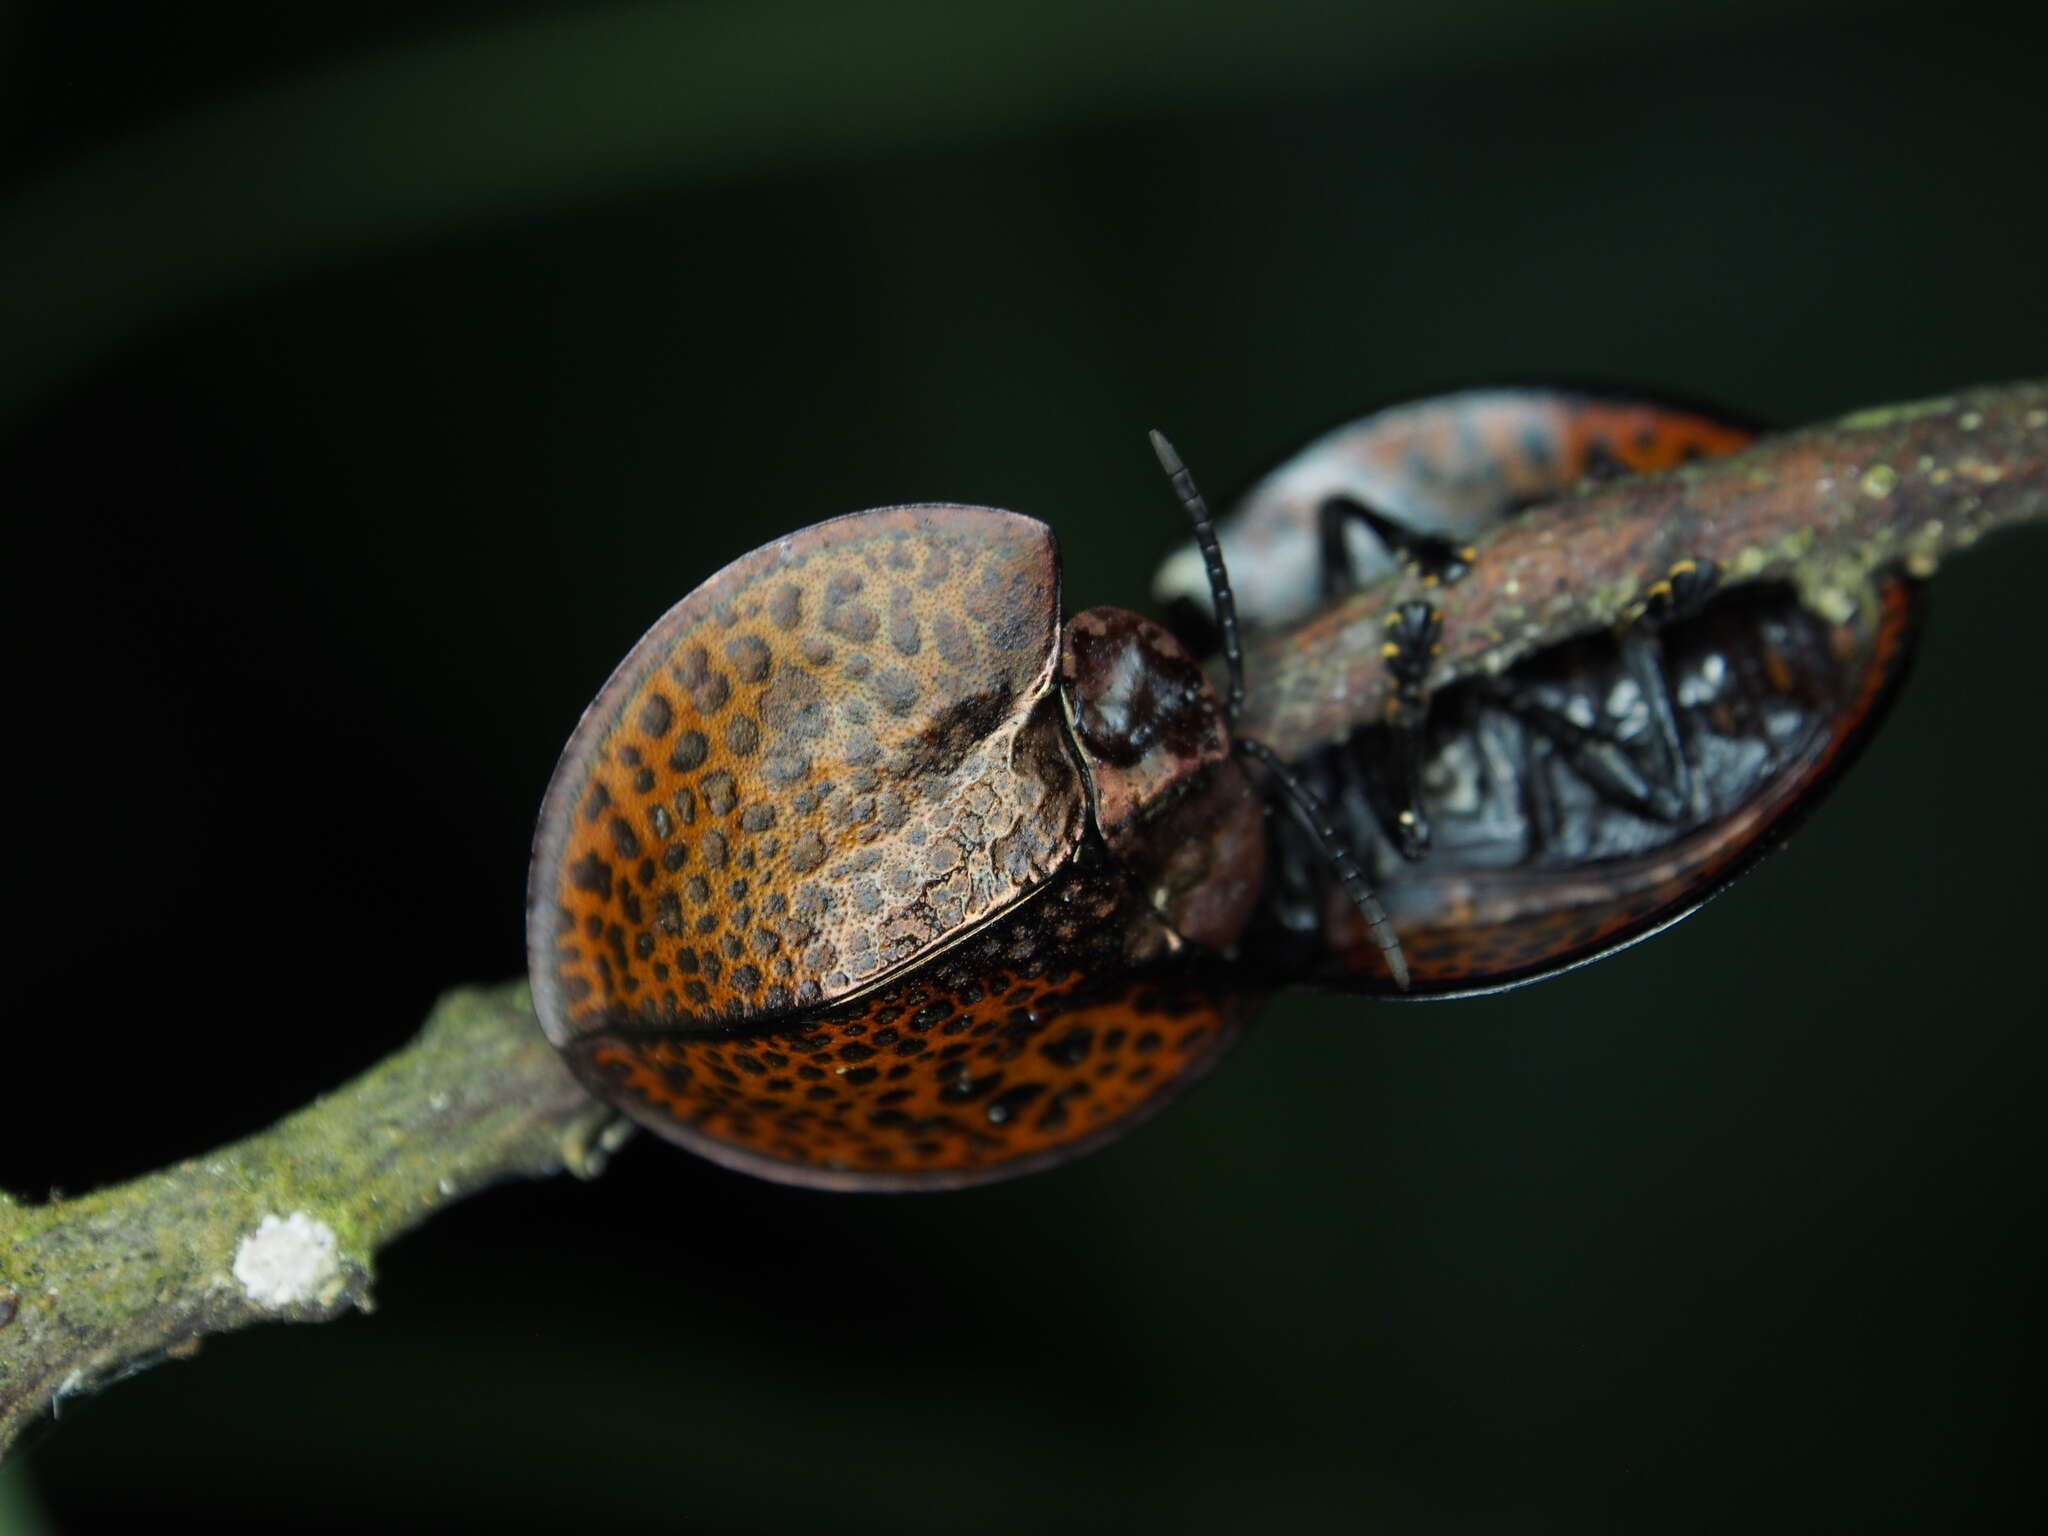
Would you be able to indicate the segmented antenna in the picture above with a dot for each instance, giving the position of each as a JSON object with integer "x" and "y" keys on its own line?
{"x": 1308, "y": 810}
{"x": 1212, "y": 561}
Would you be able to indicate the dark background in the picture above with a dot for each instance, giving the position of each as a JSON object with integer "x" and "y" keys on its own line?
{"x": 373, "y": 375}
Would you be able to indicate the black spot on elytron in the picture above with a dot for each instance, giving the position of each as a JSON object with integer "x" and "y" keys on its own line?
{"x": 656, "y": 715}
{"x": 689, "y": 751}
{"x": 955, "y": 644}
{"x": 698, "y": 889}
{"x": 710, "y": 694}
{"x": 591, "y": 873}
{"x": 625, "y": 842}
{"x": 903, "y": 633}
{"x": 643, "y": 781}
{"x": 757, "y": 818}
{"x": 1006, "y": 1105}
{"x": 714, "y": 849}
{"x": 750, "y": 658}
{"x": 597, "y": 802}
{"x": 720, "y": 793}
{"x": 897, "y": 688}
{"x": 964, "y": 1089}
{"x": 786, "y": 606}
{"x": 860, "y": 1075}
{"x": 1071, "y": 1049}
{"x": 850, "y": 620}
{"x": 742, "y": 735}
{"x": 675, "y": 856}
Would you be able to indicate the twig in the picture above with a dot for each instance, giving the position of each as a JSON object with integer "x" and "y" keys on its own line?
{"x": 285, "y": 1226}
{"x": 1821, "y": 508}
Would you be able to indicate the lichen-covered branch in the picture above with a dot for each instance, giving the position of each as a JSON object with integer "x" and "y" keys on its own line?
{"x": 1820, "y": 508}
{"x": 285, "y": 1226}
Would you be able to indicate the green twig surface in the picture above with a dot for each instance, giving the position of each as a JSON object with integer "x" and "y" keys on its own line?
{"x": 285, "y": 1226}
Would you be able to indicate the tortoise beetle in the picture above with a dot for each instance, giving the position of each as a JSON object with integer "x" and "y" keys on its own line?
{"x": 865, "y": 872}
{"x": 1519, "y": 825}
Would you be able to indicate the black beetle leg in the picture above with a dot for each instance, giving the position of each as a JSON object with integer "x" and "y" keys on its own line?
{"x": 1435, "y": 558}
{"x": 1595, "y": 756}
{"x": 1684, "y": 589}
{"x": 1411, "y": 640}
{"x": 1539, "y": 799}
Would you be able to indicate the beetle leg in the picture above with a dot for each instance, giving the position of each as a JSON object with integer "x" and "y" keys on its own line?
{"x": 1539, "y": 799}
{"x": 1682, "y": 592}
{"x": 1434, "y": 557}
{"x": 1412, "y": 639}
{"x": 1593, "y": 754}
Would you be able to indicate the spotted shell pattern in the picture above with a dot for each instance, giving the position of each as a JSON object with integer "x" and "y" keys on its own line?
{"x": 1027, "y": 1044}
{"x": 831, "y": 758}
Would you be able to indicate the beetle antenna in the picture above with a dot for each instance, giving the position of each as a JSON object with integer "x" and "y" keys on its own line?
{"x": 1212, "y": 562}
{"x": 1308, "y": 810}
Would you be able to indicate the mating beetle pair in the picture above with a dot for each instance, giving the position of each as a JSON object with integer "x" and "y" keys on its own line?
{"x": 865, "y": 871}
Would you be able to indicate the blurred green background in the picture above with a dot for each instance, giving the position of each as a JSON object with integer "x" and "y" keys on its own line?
{"x": 373, "y": 375}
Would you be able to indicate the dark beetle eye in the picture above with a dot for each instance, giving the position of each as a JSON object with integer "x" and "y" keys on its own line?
{"x": 1135, "y": 692}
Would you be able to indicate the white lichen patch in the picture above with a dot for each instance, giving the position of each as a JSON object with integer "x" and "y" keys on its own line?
{"x": 287, "y": 1261}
